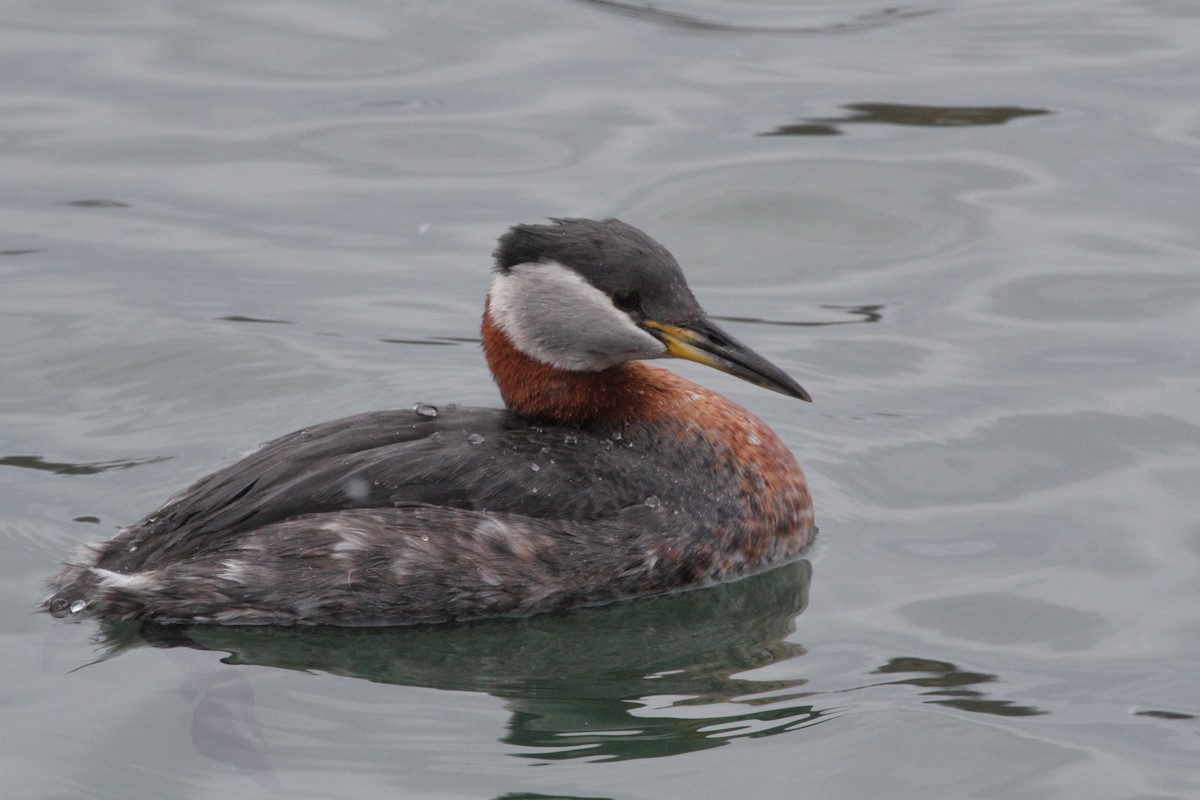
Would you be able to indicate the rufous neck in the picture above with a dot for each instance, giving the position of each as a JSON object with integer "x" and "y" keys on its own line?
{"x": 607, "y": 399}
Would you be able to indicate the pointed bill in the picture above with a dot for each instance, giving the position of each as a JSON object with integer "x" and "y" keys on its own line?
{"x": 705, "y": 343}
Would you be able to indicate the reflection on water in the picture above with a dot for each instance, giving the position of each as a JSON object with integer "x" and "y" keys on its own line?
{"x": 864, "y": 313}
{"x": 67, "y": 468}
{"x": 95, "y": 202}
{"x": 649, "y": 679}
{"x": 260, "y": 320}
{"x": 1158, "y": 714}
{"x": 653, "y": 12}
{"x": 901, "y": 114}
{"x": 638, "y": 680}
{"x": 945, "y": 680}
{"x": 435, "y": 341}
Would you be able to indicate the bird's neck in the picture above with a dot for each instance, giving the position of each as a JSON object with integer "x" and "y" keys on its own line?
{"x": 637, "y": 393}
{"x": 608, "y": 398}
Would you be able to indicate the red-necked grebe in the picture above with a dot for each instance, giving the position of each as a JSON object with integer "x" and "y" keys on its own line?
{"x": 603, "y": 479}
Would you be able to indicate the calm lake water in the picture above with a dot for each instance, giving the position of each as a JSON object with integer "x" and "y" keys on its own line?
{"x": 971, "y": 229}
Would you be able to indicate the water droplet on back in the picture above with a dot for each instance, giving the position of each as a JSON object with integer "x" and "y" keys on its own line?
{"x": 356, "y": 489}
{"x": 653, "y": 502}
{"x": 78, "y": 605}
{"x": 474, "y": 438}
{"x": 425, "y": 410}
{"x": 534, "y": 467}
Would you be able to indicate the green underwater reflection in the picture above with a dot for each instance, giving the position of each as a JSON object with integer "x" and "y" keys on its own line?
{"x": 644, "y": 679}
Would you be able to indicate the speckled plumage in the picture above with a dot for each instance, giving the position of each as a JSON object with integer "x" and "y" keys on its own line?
{"x": 592, "y": 487}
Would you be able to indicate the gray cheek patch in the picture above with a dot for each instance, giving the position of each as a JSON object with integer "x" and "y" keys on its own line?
{"x": 550, "y": 313}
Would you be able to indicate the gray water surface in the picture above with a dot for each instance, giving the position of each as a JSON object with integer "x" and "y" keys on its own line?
{"x": 970, "y": 229}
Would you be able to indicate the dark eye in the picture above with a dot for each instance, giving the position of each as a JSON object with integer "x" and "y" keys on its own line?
{"x": 626, "y": 299}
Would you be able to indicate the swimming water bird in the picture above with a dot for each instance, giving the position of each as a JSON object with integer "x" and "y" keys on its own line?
{"x": 604, "y": 478}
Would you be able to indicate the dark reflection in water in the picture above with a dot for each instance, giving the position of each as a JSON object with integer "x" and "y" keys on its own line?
{"x": 639, "y": 680}
{"x": 1157, "y": 714}
{"x": 648, "y": 679}
{"x": 945, "y": 680}
{"x": 435, "y": 342}
{"x": 240, "y": 318}
{"x": 656, "y": 13}
{"x": 65, "y": 468}
{"x": 900, "y": 114}
{"x": 865, "y": 313}
{"x": 95, "y": 202}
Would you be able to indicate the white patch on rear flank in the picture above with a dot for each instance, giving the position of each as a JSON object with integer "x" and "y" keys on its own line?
{"x": 502, "y": 534}
{"x": 234, "y": 571}
{"x": 137, "y": 582}
{"x": 401, "y": 568}
{"x": 550, "y": 313}
{"x": 351, "y": 541}
{"x": 491, "y": 530}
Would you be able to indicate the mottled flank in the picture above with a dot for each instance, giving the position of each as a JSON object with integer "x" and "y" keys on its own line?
{"x": 591, "y": 487}
{"x": 419, "y": 564}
